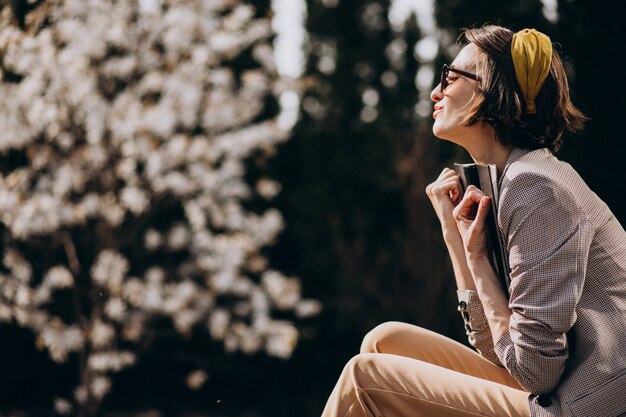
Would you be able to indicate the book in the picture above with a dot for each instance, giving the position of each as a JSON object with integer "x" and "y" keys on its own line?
{"x": 485, "y": 178}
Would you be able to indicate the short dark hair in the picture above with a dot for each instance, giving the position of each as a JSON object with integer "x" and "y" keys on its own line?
{"x": 501, "y": 103}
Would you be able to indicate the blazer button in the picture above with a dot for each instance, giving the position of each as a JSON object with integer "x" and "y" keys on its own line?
{"x": 544, "y": 401}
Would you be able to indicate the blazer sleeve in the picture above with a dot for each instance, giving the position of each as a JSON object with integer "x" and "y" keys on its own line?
{"x": 548, "y": 238}
{"x": 476, "y": 325}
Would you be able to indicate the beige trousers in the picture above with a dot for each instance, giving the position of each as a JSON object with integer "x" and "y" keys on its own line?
{"x": 407, "y": 371}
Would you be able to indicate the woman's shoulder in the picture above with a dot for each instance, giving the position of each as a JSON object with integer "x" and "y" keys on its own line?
{"x": 537, "y": 171}
{"x": 538, "y": 182}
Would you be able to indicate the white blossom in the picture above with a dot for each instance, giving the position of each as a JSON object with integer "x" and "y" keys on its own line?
{"x": 115, "y": 309}
{"x": 23, "y": 296}
{"x": 42, "y": 295}
{"x": 196, "y": 379}
{"x": 63, "y": 406}
{"x": 81, "y": 394}
{"x": 155, "y": 276}
{"x": 100, "y": 386}
{"x": 33, "y": 319}
{"x": 111, "y": 211}
{"x": 90, "y": 204}
{"x": 231, "y": 342}
{"x": 281, "y": 340}
{"x": 134, "y": 199}
{"x": 132, "y": 291}
{"x": 180, "y": 296}
{"x": 58, "y": 277}
{"x": 196, "y": 215}
{"x": 39, "y": 215}
{"x": 284, "y": 292}
{"x": 267, "y": 188}
{"x": 153, "y": 297}
{"x": 185, "y": 319}
{"x": 218, "y": 323}
{"x": 308, "y": 308}
{"x": 5, "y": 313}
{"x": 109, "y": 269}
{"x": 248, "y": 340}
{"x": 101, "y": 334}
{"x": 136, "y": 132}
{"x": 18, "y": 265}
{"x": 178, "y": 237}
{"x": 133, "y": 328}
{"x": 61, "y": 340}
{"x": 110, "y": 361}
{"x": 153, "y": 239}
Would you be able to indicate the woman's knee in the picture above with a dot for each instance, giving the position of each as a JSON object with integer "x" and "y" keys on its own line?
{"x": 383, "y": 337}
{"x": 362, "y": 365}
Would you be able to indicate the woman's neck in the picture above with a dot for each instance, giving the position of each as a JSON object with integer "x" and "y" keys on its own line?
{"x": 497, "y": 155}
{"x": 486, "y": 149}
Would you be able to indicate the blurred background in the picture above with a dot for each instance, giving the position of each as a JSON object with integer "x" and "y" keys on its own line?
{"x": 205, "y": 205}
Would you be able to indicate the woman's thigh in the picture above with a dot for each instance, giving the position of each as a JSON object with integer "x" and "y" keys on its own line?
{"x": 396, "y": 386}
{"x": 425, "y": 345}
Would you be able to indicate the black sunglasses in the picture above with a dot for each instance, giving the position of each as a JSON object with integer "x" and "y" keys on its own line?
{"x": 446, "y": 70}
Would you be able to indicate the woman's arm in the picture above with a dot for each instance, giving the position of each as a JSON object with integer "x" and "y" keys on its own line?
{"x": 495, "y": 303}
{"x": 470, "y": 304}
{"x": 444, "y": 193}
{"x": 454, "y": 243}
{"x": 549, "y": 240}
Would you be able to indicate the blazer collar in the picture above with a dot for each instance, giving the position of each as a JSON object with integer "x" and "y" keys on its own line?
{"x": 515, "y": 154}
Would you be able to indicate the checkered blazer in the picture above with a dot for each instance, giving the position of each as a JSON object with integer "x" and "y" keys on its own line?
{"x": 566, "y": 343}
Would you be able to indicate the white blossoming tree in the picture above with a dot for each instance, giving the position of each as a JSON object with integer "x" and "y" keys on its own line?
{"x": 125, "y": 127}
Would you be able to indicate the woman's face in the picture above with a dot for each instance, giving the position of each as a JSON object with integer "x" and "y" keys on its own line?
{"x": 451, "y": 105}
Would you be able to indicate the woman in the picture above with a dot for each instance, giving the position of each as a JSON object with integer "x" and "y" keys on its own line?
{"x": 555, "y": 346}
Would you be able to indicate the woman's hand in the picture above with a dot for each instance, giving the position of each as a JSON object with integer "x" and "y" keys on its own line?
{"x": 470, "y": 215}
{"x": 444, "y": 193}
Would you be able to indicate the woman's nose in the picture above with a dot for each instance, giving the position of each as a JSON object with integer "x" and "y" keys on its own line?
{"x": 436, "y": 94}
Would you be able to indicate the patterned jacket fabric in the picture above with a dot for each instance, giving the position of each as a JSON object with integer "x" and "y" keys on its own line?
{"x": 566, "y": 343}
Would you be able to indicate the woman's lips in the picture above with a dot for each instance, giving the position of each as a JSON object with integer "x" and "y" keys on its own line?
{"x": 438, "y": 110}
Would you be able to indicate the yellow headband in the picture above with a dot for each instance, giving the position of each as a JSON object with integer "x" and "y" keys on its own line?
{"x": 532, "y": 56}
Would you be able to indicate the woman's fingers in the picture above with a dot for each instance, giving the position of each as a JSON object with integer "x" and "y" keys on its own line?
{"x": 450, "y": 188}
{"x": 447, "y": 173}
{"x": 447, "y": 184}
{"x": 454, "y": 187}
{"x": 483, "y": 209}
{"x": 466, "y": 210}
{"x": 473, "y": 188}
{"x": 470, "y": 215}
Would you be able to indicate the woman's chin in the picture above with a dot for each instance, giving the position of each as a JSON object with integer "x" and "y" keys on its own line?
{"x": 444, "y": 134}
{"x": 439, "y": 130}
